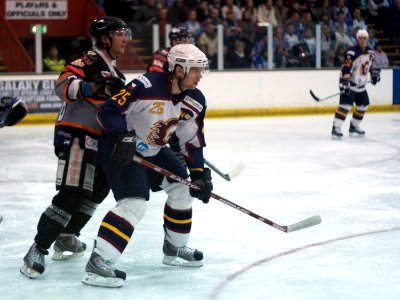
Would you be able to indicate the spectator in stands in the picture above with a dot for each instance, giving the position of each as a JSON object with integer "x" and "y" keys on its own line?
{"x": 357, "y": 20}
{"x": 232, "y": 23}
{"x": 237, "y": 59}
{"x": 342, "y": 38}
{"x": 372, "y": 39}
{"x": 328, "y": 58}
{"x": 203, "y": 11}
{"x": 294, "y": 19}
{"x": 381, "y": 60}
{"x": 340, "y": 7}
{"x": 217, "y": 5}
{"x": 324, "y": 8}
{"x": 339, "y": 55}
{"x": 230, "y": 7}
{"x": 146, "y": 12}
{"x": 327, "y": 38}
{"x": 281, "y": 12}
{"x": 340, "y": 21}
{"x": 266, "y": 13}
{"x": 214, "y": 17}
{"x": 325, "y": 19}
{"x": 298, "y": 6}
{"x": 249, "y": 6}
{"x": 192, "y": 25}
{"x": 291, "y": 37}
{"x": 311, "y": 42}
{"x": 177, "y": 13}
{"x": 279, "y": 38}
{"x": 208, "y": 43}
{"x": 247, "y": 31}
{"x": 53, "y": 63}
{"x": 307, "y": 21}
{"x": 280, "y": 57}
{"x": 162, "y": 21}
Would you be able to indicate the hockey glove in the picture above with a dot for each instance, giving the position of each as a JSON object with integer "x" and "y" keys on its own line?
{"x": 108, "y": 86}
{"x": 124, "y": 148}
{"x": 375, "y": 76}
{"x": 344, "y": 86}
{"x": 5, "y": 107}
{"x": 202, "y": 178}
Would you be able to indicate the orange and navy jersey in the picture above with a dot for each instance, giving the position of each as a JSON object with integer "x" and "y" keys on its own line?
{"x": 79, "y": 111}
{"x": 146, "y": 104}
{"x": 159, "y": 62}
{"x": 357, "y": 64}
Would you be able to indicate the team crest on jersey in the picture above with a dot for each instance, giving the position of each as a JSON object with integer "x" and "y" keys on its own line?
{"x": 193, "y": 103}
{"x": 161, "y": 132}
{"x": 146, "y": 82}
{"x": 142, "y": 146}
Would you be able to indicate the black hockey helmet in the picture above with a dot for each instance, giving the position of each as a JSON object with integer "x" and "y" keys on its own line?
{"x": 106, "y": 26}
{"x": 178, "y": 33}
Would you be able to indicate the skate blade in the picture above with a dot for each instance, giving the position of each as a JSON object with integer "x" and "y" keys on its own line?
{"x": 28, "y": 272}
{"x": 66, "y": 255}
{"x": 97, "y": 280}
{"x": 178, "y": 262}
{"x": 356, "y": 135}
{"x": 335, "y": 137}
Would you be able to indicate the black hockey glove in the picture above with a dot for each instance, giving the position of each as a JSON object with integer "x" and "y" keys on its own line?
{"x": 344, "y": 85}
{"x": 108, "y": 86}
{"x": 375, "y": 76}
{"x": 124, "y": 148}
{"x": 204, "y": 181}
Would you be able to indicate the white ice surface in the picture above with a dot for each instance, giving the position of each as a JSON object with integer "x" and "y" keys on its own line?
{"x": 293, "y": 170}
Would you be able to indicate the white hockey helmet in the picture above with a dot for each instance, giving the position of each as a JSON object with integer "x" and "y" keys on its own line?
{"x": 362, "y": 33}
{"x": 187, "y": 56}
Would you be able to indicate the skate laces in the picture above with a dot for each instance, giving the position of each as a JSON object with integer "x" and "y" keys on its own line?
{"x": 185, "y": 252}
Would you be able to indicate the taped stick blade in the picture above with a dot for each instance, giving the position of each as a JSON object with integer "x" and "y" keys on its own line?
{"x": 309, "y": 222}
{"x": 236, "y": 171}
{"x": 314, "y": 96}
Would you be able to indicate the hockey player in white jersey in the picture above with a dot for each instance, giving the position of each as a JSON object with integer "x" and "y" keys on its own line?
{"x": 353, "y": 78}
{"x": 139, "y": 120}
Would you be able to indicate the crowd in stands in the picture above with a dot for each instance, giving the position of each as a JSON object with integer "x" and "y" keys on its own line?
{"x": 245, "y": 42}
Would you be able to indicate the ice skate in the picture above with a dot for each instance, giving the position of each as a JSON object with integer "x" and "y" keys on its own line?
{"x": 68, "y": 246}
{"x": 356, "y": 130}
{"x": 336, "y": 133}
{"x": 181, "y": 256}
{"x": 1, "y": 218}
{"x": 101, "y": 272}
{"x": 34, "y": 262}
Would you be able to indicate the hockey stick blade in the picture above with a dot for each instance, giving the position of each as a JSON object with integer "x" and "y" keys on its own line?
{"x": 236, "y": 171}
{"x": 228, "y": 176}
{"x": 309, "y": 222}
{"x": 314, "y": 96}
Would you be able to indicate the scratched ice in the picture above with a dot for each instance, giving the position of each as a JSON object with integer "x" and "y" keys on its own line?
{"x": 293, "y": 170}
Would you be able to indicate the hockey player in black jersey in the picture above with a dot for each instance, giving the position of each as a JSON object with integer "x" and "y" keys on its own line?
{"x": 140, "y": 120}
{"x": 83, "y": 85}
{"x": 353, "y": 78}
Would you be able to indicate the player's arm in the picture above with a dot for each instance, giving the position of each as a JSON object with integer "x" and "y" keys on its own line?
{"x": 344, "y": 81}
{"x": 111, "y": 115}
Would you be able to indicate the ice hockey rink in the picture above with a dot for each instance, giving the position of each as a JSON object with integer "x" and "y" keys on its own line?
{"x": 293, "y": 170}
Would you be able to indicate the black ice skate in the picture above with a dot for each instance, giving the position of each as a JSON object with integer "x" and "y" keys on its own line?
{"x": 34, "y": 261}
{"x": 68, "y": 246}
{"x": 181, "y": 256}
{"x": 356, "y": 130}
{"x": 336, "y": 133}
{"x": 102, "y": 272}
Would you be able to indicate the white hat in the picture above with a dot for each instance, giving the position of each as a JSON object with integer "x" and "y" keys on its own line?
{"x": 362, "y": 33}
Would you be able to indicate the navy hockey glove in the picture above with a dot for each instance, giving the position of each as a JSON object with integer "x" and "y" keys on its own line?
{"x": 124, "y": 148}
{"x": 202, "y": 178}
{"x": 344, "y": 85}
{"x": 5, "y": 107}
{"x": 375, "y": 76}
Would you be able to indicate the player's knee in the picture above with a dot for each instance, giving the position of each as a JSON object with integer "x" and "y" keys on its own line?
{"x": 131, "y": 209}
{"x": 178, "y": 195}
{"x": 69, "y": 201}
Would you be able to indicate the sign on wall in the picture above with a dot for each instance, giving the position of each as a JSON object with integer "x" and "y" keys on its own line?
{"x": 36, "y": 9}
{"x": 38, "y": 94}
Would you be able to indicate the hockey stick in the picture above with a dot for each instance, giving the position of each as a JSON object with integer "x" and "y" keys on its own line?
{"x": 311, "y": 221}
{"x": 330, "y": 96}
{"x": 228, "y": 176}
{"x": 324, "y": 98}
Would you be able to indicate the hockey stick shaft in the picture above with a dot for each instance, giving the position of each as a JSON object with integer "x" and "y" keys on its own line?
{"x": 311, "y": 221}
{"x": 329, "y": 96}
{"x": 228, "y": 176}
